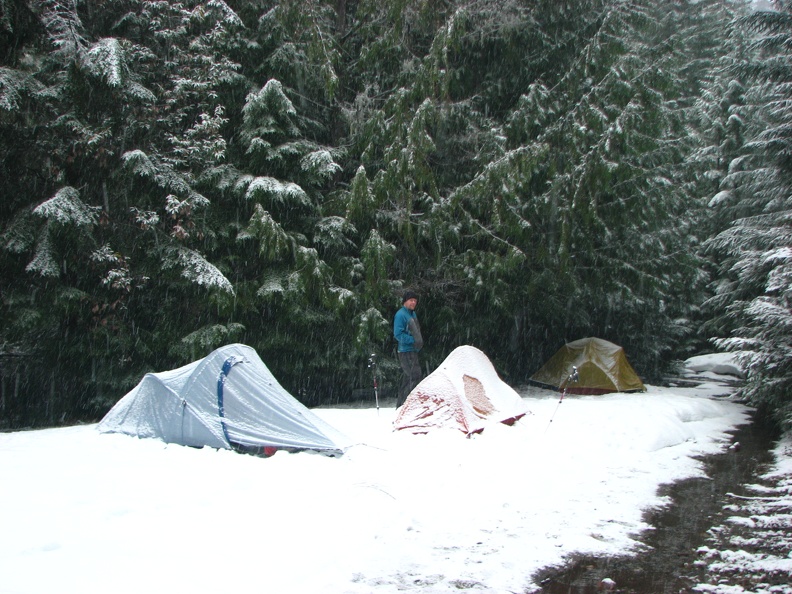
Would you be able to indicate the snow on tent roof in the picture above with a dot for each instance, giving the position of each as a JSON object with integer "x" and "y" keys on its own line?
{"x": 229, "y": 400}
{"x": 602, "y": 367}
{"x": 463, "y": 393}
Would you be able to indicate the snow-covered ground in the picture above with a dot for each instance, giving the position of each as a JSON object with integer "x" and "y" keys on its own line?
{"x": 84, "y": 512}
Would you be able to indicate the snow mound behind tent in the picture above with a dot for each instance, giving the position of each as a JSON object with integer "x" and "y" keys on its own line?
{"x": 464, "y": 393}
{"x": 718, "y": 363}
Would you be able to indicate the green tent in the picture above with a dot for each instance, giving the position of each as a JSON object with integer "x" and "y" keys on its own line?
{"x": 602, "y": 367}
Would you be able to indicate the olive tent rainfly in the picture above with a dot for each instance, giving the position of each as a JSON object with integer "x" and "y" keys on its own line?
{"x": 229, "y": 400}
{"x": 602, "y": 367}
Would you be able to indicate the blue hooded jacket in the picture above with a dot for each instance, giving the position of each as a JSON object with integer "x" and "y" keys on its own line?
{"x": 407, "y": 331}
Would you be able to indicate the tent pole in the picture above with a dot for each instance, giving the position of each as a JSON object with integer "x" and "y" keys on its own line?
{"x": 572, "y": 377}
{"x": 372, "y": 363}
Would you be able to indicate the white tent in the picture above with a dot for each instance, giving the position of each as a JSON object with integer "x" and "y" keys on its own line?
{"x": 463, "y": 393}
{"x": 228, "y": 399}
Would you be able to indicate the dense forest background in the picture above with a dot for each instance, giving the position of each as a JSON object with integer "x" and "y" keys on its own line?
{"x": 175, "y": 176}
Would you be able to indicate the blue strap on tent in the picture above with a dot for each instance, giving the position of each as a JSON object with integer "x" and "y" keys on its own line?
{"x": 229, "y": 363}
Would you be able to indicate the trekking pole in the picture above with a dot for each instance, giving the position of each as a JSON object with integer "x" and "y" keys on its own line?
{"x": 572, "y": 377}
{"x": 372, "y": 363}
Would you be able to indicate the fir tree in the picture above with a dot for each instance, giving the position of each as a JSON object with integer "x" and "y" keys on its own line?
{"x": 755, "y": 249}
{"x": 183, "y": 174}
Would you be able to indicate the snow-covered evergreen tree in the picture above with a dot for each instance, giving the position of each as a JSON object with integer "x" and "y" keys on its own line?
{"x": 587, "y": 214}
{"x": 756, "y": 249}
{"x": 181, "y": 174}
{"x": 112, "y": 113}
{"x": 724, "y": 115}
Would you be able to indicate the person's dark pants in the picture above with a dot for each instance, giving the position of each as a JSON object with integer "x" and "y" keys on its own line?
{"x": 411, "y": 367}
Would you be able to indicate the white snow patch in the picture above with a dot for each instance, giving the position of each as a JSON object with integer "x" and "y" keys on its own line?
{"x": 717, "y": 363}
{"x": 92, "y": 513}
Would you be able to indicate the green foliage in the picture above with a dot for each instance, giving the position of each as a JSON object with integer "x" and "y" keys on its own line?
{"x": 183, "y": 174}
{"x": 753, "y": 295}
{"x": 275, "y": 245}
{"x": 207, "y": 339}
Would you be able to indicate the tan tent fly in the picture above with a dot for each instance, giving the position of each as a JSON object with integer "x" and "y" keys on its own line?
{"x": 602, "y": 367}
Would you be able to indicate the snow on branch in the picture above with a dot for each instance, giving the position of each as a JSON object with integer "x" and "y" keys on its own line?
{"x": 164, "y": 176}
{"x": 314, "y": 273}
{"x": 267, "y": 110}
{"x": 106, "y": 255}
{"x": 63, "y": 26}
{"x": 771, "y": 313}
{"x": 371, "y": 327}
{"x": 210, "y": 337}
{"x": 10, "y": 84}
{"x": 13, "y": 84}
{"x": 146, "y": 219}
{"x": 273, "y": 285}
{"x": 343, "y": 296}
{"x": 277, "y": 191}
{"x": 196, "y": 268}
{"x": 320, "y": 164}
{"x": 20, "y": 234}
{"x": 741, "y": 344}
{"x": 140, "y": 163}
{"x": 719, "y": 198}
{"x": 332, "y": 233}
{"x": 138, "y": 91}
{"x": 272, "y": 93}
{"x": 44, "y": 262}
{"x": 106, "y": 60}
{"x": 274, "y": 242}
{"x": 66, "y": 207}
{"x": 779, "y": 255}
{"x": 226, "y": 13}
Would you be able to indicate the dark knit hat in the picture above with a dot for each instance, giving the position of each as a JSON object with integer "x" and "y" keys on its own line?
{"x": 409, "y": 294}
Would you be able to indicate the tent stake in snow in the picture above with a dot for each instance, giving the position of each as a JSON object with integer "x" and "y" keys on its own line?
{"x": 372, "y": 363}
{"x": 572, "y": 377}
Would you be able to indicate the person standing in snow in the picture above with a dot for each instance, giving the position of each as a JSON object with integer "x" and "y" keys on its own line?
{"x": 407, "y": 333}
